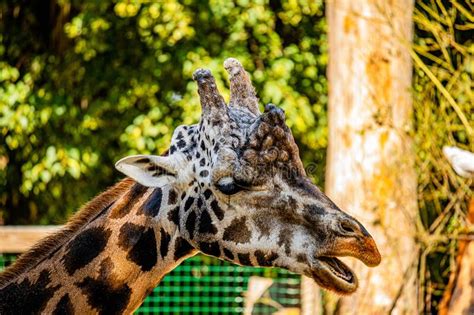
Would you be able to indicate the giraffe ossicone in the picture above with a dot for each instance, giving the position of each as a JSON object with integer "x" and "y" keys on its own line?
{"x": 232, "y": 186}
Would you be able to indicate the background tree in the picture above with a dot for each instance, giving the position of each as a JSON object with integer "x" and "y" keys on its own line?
{"x": 370, "y": 170}
{"x": 443, "y": 55}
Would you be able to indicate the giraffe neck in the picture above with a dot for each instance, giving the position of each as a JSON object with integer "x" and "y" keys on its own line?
{"x": 110, "y": 264}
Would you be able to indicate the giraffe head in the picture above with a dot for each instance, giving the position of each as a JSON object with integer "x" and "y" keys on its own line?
{"x": 243, "y": 193}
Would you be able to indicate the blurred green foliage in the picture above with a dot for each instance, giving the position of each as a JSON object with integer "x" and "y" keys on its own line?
{"x": 443, "y": 58}
{"x": 83, "y": 83}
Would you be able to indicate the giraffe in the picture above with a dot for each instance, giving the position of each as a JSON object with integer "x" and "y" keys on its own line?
{"x": 232, "y": 186}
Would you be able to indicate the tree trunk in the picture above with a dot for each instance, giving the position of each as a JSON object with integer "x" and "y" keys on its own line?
{"x": 370, "y": 169}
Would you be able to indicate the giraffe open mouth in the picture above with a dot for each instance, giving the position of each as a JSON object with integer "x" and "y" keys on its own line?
{"x": 338, "y": 268}
{"x": 332, "y": 274}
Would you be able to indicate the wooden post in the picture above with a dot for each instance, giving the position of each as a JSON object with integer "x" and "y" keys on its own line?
{"x": 310, "y": 297}
{"x": 370, "y": 169}
{"x": 18, "y": 239}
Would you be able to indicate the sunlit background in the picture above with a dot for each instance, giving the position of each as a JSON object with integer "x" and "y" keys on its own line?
{"x": 83, "y": 83}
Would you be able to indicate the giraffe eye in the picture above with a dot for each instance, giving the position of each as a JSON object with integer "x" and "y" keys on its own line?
{"x": 228, "y": 186}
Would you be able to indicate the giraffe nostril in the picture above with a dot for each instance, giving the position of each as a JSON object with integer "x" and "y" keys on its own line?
{"x": 347, "y": 227}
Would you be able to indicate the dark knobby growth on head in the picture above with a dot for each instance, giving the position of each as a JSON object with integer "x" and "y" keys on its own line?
{"x": 271, "y": 144}
{"x": 259, "y": 142}
{"x": 243, "y": 192}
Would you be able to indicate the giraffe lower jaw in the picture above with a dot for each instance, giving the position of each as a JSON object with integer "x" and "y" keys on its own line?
{"x": 332, "y": 274}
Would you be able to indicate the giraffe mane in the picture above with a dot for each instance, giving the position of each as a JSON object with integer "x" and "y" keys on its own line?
{"x": 50, "y": 244}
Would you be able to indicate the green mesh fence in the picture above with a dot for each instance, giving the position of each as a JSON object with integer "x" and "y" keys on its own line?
{"x": 205, "y": 285}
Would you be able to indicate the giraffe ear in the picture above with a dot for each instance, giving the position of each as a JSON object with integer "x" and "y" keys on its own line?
{"x": 148, "y": 170}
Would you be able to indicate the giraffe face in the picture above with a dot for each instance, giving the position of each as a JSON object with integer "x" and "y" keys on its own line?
{"x": 245, "y": 196}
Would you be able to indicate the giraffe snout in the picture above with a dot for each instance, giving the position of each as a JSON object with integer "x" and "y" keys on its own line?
{"x": 364, "y": 243}
{"x": 354, "y": 240}
{"x": 372, "y": 255}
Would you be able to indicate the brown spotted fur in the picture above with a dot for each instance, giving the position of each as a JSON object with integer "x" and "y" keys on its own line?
{"x": 48, "y": 245}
